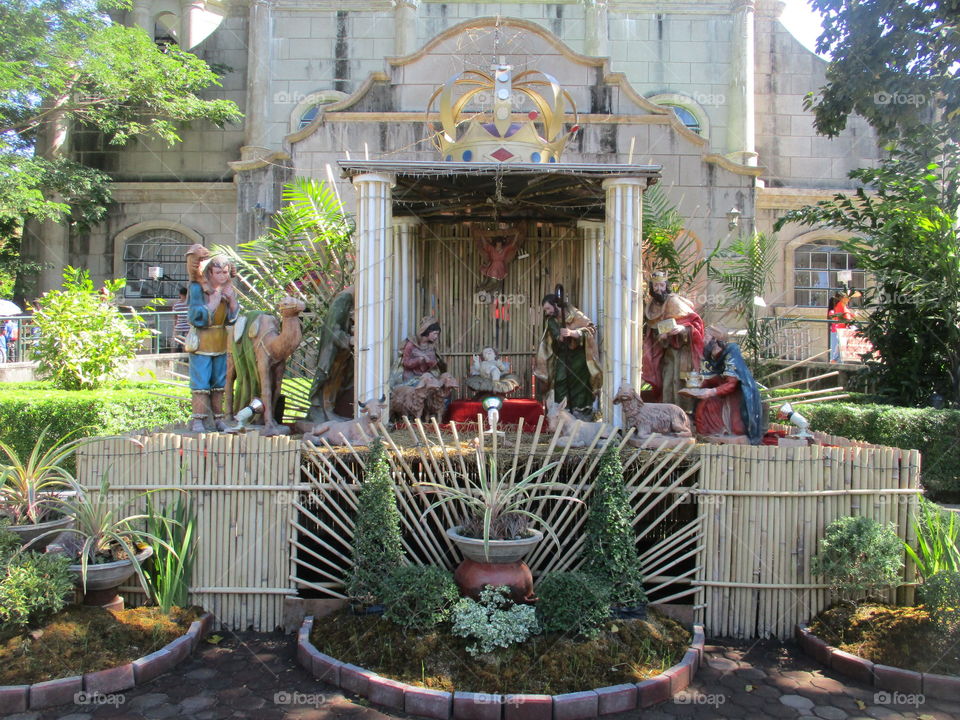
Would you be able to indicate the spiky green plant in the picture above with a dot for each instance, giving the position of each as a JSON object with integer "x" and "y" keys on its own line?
{"x": 497, "y": 504}
{"x": 169, "y": 571}
{"x": 29, "y": 486}
{"x": 938, "y": 539}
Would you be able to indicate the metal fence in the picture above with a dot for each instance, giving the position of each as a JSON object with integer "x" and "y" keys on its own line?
{"x": 793, "y": 338}
{"x": 160, "y": 341}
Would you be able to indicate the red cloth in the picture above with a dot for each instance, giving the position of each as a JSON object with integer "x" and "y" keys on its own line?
{"x": 466, "y": 411}
{"x": 653, "y": 353}
{"x": 708, "y": 417}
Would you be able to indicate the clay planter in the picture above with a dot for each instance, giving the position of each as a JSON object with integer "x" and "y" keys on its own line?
{"x": 497, "y": 564}
{"x": 104, "y": 579}
{"x": 26, "y": 533}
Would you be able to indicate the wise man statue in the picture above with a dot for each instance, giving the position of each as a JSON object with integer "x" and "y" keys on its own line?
{"x": 567, "y": 361}
{"x": 672, "y": 340}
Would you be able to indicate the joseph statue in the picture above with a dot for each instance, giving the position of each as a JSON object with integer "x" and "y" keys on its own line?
{"x": 567, "y": 360}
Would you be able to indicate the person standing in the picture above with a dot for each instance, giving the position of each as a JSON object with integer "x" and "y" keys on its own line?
{"x": 838, "y": 311}
{"x": 567, "y": 361}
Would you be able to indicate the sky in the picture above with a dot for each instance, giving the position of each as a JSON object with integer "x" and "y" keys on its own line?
{"x": 803, "y": 22}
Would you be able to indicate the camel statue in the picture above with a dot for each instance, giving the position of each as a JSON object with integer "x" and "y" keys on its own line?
{"x": 260, "y": 348}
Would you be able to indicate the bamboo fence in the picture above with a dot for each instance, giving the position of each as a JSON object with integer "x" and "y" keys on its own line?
{"x": 243, "y": 488}
{"x": 765, "y": 510}
{"x": 728, "y": 528}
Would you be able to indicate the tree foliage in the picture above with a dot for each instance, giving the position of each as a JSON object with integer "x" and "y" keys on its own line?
{"x": 83, "y": 340}
{"x": 893, "y": 62}
{"x": 904, "y": 221}
{"x": 66, "y": 64}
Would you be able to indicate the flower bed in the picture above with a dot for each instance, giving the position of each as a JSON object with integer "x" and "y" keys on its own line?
{"x": 882, "y": 677}
{"x": 443, "y": 705}
{"x": 19, "y": 698}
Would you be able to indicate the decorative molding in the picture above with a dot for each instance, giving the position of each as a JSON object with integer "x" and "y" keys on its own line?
{"x": 144, "y": 192}
{"x": 793, "y": 198}
{"x": 260, "y": 160}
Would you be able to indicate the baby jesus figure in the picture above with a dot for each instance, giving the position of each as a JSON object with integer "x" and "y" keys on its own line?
{"x": 488, "y": 365}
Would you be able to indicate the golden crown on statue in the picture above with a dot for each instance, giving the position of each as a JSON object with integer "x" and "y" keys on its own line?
{"x": 489, "y": 131}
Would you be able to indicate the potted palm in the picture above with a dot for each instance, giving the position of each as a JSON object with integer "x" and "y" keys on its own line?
{"x": 105, "y": 544}
{"x": 497, "y": 531}
{"x": 33, "y": 489}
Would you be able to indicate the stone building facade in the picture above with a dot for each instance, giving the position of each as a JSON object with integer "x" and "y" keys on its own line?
{"x": 709, "y": 90}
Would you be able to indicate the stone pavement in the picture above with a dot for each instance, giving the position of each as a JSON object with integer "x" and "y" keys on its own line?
{"x": 255, "y": 676}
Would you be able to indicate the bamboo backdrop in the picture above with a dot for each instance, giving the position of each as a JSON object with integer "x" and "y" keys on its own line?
{"x": 731, "y": 528}
{"x": 447, "y": 287}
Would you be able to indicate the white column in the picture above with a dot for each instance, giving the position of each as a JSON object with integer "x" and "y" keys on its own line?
{"x": 596, "y": 37}
{"x": 372, "y": 317}
{"x": 622, "y": 307}
{"x": 591, "y": 292}
{"x": 140, "y": 16}
{"x": 741, "y": 128}
{"x": 405, "y": 26}
{"x": 190, "y": 16}
{"x": 258, "y": 75}
{"x": 404, "y": 234}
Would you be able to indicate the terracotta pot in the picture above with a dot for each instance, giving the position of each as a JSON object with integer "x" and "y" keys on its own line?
{"x": 496, "y": 551}
{"x": 472, "y": 577}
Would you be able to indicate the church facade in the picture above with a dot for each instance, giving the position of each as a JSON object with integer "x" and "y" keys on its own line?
{"x": 707, "y": 95}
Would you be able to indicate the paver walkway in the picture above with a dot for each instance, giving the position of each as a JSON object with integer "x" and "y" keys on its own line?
{"x": 256, "y": 676}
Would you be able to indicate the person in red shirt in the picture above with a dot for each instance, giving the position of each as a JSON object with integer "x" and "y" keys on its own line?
{"x": 841, "y": 315}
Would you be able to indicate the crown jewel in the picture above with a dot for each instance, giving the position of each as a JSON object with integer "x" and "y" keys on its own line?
{"x": 494, "y": 134}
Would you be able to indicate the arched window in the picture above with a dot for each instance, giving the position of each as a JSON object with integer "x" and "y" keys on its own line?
{"x": 817, "y": 268}
{"x": 688, "y": 111}
{"x": 309, "y": 107}
{"x": 155, "y": 263}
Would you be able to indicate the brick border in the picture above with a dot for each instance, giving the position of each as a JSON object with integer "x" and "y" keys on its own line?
{"x": 20, "y": 698}
{"x": 882, "y": 677}
{"x": 439, "y": 705}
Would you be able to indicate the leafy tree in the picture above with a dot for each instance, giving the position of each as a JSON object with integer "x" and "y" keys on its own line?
{"x": 858, "y": 556}
{"x": 83, "y": 340}
{"x": 893, "y": 62}
{"x": 65, "y": 64}
{"x": 906, "y": 237}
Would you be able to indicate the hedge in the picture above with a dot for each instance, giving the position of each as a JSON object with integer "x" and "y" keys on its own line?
{"x": 26, "y": 408}
{"x": 935, "y": 433}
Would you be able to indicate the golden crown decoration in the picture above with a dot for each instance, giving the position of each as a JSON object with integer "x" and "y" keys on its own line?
{"x": 500, "y": 135}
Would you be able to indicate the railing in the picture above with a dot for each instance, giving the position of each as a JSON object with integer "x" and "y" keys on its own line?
{"x": 793, "y": 338}
{"x": 160, "y": 341}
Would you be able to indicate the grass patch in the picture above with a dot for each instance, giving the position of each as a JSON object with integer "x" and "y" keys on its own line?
{"x": 904, "y": 637}
{"x": 624, "y": 651}
{"x": 83, "y": 639}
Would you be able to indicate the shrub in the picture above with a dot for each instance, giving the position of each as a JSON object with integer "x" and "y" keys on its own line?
{"x": 377, "y": 548}
{"x": 9, "y": 542}
{"x": 935, "y": 433}
{"x": 858, "y": 556}
{"x": 572, "y": 602}
{"x": 32, "y": 587}
{"x": 494, "y": 622}
{"x": 27, "y": 408}
{"x": 83, "y": 341}
{"x": 610, "y": 549}
{"x": 418, "y": 597}
{"x": 941, "y": 595}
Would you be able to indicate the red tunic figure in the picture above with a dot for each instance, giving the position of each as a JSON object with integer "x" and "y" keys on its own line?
{"x": 498, "y": 248}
